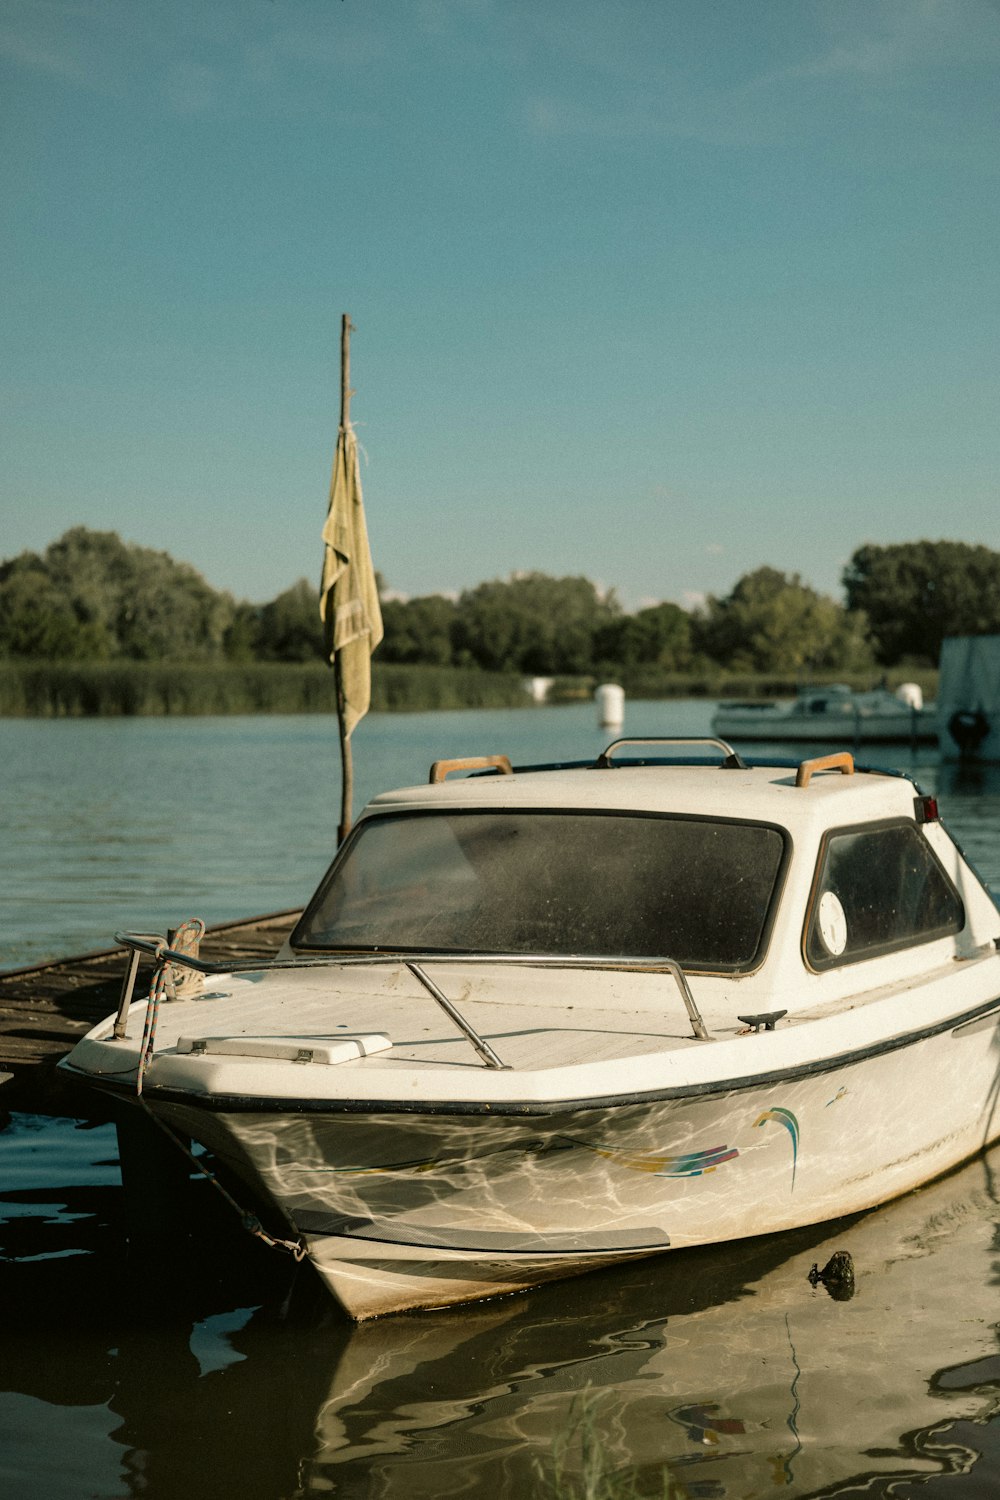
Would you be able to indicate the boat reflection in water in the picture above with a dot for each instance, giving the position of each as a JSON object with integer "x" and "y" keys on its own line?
{"x": 725, "y": 1365}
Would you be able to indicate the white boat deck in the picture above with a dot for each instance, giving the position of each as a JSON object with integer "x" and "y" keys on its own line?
{"x": 528, "y": 1032}
{"x": 552, "y": 1043}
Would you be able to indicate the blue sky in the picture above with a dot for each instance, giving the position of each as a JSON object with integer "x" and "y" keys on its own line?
{"x": 655, "y": 291}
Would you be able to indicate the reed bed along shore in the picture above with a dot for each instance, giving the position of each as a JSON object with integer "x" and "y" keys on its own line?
{"x": 129, "y": 688}
{"x": 81, "y": 689}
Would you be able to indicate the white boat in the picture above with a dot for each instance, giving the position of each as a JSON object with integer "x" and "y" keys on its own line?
{"x": 539, "y": 1021}
{"x": 833, "y": 715}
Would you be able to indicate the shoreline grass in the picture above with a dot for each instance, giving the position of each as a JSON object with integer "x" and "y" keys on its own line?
{"x": 58, "y": 690}
{"x": 33, "y": 689}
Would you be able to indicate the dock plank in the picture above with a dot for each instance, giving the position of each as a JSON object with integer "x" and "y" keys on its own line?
{"x": 46, "y": 1008}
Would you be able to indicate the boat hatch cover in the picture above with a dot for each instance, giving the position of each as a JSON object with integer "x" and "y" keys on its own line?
{"x": 301, "y": 1049}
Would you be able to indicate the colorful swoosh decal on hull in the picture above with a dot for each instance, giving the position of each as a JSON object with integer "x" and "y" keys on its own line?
{"x": 688, "y": 1164}
{"x": 791, "y": 1124}
{"x": 658, "y": 1164}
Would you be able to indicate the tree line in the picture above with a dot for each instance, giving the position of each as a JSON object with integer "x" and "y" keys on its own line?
{"x": 91, "y": 597}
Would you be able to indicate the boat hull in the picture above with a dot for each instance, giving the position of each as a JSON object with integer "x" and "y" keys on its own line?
{"x": 408, "y": 1208}
{"x": 768, "y": 725}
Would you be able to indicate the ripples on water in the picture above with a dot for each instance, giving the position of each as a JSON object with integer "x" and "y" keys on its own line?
{"x": 227, "y": 1375}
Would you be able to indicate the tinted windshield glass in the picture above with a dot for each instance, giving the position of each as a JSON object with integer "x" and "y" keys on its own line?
{"x": 560, "y": 883}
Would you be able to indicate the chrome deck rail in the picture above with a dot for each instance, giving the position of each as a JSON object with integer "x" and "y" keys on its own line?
{"x": 451, "y": 1010}
{"x": 156, "y": 948}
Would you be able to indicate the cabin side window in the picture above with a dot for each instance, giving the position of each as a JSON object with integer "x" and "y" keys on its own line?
{"x": 878, "y": 889}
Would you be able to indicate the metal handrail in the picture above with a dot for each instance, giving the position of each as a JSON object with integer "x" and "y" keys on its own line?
{"x": 139, "y": 943}
{"x": 731, "y": 758}
{"x": 483, "y": 1047}
{"x": 157, "y": 949}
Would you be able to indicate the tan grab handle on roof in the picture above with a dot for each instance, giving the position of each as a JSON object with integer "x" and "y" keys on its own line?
{"x": 842, "y": 761}
{"x": 442, "y": 768}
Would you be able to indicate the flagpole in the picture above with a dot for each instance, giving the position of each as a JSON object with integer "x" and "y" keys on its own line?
{"x": 346, "y": 756}
{"x": 345, "y": 370}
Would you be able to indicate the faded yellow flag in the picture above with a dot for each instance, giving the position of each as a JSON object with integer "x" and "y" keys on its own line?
{"x": 348, "y": 596}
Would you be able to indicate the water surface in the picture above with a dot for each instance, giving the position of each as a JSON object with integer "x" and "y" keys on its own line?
{"x": 225, "y": 1372}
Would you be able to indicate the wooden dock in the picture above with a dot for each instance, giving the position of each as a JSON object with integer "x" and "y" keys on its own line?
{"x": 46, "y": 1008}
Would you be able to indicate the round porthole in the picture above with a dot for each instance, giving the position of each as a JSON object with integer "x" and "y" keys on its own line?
{"x": 832, "y": 924}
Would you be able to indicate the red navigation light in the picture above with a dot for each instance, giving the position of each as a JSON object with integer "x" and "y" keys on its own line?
{"x": 926, "y": 810}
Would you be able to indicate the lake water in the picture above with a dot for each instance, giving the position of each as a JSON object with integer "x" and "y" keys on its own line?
{"x": 227, "y": 1375}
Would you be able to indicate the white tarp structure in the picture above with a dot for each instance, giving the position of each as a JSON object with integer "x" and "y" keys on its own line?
{"x": 968, "y": 698}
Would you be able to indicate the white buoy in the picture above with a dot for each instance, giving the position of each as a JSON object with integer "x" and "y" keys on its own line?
{"x": 911, "y": 694}
{"x": 610, "y": 705}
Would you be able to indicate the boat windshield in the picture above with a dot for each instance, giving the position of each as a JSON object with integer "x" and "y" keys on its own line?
{"x": 697, "y": 890}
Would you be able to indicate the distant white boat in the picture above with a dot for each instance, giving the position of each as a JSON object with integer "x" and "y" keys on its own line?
{"x": 833, "y": 714}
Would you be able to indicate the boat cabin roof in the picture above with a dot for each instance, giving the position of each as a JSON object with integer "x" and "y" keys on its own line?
{"x": 832, "y": 794}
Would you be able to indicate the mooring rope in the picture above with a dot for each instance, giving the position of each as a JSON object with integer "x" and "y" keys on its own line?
{"x": 157, "y": 990}
{"x": 166, "y": 979}
{"x": 249, "y": 1220}
{"x": 160, "y": 985}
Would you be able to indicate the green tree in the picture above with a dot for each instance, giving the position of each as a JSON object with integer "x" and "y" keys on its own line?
{"x": 532, "y": 623}
{"x": 775, "y": 623}
{"x": 37, "y": 620}
{"x": 167, "y": 610}
{"x": 242, "y": 638}
{"x": 916, "y": 593}
{"x": 418, "y": 630}
{"x": 93, "y": 596}
{"x": 289, "y": 627}
{"x": 659, "y": 636}
{"x": 92, "y": 571}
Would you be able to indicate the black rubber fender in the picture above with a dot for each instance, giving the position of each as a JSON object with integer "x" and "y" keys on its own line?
{"x": 968, "y": 728}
